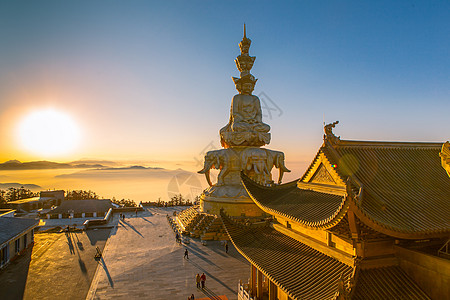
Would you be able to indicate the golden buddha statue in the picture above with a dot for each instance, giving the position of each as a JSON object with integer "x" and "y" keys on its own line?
{"x": 245, "y": 127}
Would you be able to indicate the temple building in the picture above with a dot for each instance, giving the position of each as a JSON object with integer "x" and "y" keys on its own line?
{"x": 367, "y": 220}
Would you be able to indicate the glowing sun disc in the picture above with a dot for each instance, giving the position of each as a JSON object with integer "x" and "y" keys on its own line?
{"x": 48, "y": 132}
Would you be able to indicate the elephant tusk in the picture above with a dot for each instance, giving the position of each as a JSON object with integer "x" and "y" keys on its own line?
{"x": 208, "y": 178}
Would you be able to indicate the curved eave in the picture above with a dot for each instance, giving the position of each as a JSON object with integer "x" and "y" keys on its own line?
{"x": 329, "y": 222}
{"x": 278, "y": 284}
{"x": 392, "y": 231}
{"x": 260, "y": 267}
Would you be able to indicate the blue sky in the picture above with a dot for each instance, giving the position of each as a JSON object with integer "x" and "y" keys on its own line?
{"x": 151, "y": 80}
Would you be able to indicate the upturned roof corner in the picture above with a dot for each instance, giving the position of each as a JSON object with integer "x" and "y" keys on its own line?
{"x": 445, "y": 157}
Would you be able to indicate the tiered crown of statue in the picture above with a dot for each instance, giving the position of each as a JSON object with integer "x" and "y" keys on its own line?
{"x": 244, "y": 63}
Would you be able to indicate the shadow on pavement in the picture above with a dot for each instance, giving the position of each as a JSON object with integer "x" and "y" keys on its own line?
{"x": 132, "y": 227}
{"x": 98, "y": 235}
{"x": 13, "y": 278}
{"x": 202, "y": 257}
{"x": 146, "y": 220}
{"x": 210, "y": 294}
{"x": 102, "y": 262}
{"x": 70, "y": 243}
{"x": 209, "y": 275}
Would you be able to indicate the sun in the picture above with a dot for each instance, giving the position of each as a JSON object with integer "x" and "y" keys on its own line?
{"x": 48, "y": 132}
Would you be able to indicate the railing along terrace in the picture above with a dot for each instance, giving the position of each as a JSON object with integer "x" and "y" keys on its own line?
{"x": 244, "y": 291}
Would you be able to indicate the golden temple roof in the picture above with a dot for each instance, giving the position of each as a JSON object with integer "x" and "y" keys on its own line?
{"x": 299, "y": 270}
{"x": 398, "y": 189}
{"x": 386, "y": 283}
{"x": 305, "y": 273}
{"x": 404, "y": 190}
{"x": 307, "y": 207}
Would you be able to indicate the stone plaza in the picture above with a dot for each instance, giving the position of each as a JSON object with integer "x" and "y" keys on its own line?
{"x": 141, "y": 259}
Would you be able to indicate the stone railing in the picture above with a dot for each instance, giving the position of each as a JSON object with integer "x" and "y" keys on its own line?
{"x": 243, "y": 292}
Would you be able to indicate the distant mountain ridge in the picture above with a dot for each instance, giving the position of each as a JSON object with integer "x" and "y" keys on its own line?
{"x": 16, "y": 185}
{"x": 41, "y": 165}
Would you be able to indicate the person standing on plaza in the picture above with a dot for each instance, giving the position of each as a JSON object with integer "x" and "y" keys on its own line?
{"x": 197, "y": 280}
{"x": 203, "y": 280}
{"x": 186, "y": 254}
{"x": 226, "y": 247}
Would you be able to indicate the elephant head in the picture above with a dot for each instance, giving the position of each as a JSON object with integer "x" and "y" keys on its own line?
{"x": 276, "y": 158}
{"x": 253, "y": 162}
{"x": 212, "y": 160}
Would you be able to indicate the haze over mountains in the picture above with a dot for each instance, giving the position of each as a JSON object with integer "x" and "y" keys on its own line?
{"x": 43, "y": 165}
{"x": 135, "y": 180}
{"x": 107, "y": 178}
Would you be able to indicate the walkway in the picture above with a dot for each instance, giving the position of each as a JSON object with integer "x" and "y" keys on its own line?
{"x": 142, "y": 260}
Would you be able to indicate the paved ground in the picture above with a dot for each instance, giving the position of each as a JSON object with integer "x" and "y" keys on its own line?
{"x": 142, "y": 261}
{"x": 59, "y": 266}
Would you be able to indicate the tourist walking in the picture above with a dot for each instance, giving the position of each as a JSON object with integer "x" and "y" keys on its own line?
{"x": 197, "y": 280}
{"x": 203, "y": 280}
{"x": 226, "y": 247}
{"x": 186, "y": 254}
{"x": 136, "y": 212}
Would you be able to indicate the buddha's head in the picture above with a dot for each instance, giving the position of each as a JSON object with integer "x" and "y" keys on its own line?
{"x": 244, "y": 45}
{"x": 246, "y": 84}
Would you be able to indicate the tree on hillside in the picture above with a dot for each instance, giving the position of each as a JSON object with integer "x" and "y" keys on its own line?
{"x": 23, "y": 193}
{"x": 80, "y": 195}
{"x": 3, "y": 203}
{"x": 124, "y": 202}
{"x": 11, "y": 194}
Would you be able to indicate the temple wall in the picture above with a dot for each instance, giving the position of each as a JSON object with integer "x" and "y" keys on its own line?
{"x": 431, "y": 273}
{"x": 320, "y": 235}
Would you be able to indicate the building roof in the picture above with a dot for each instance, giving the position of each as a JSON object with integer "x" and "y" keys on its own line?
{"x": 305, "y": 273}
{"x": 405, "y": 189}
{"x": 11, "y": 227}
{"x": 299, "y": 270}
{"x": 310, "y": 208}
{"x": 83, "y": 206}
{"x": 396, "y": 188}
{"x": 386, "y": 283}
{"x": 26, "y": 200}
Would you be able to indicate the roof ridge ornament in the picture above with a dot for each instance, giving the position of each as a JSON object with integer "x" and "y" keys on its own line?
{"x": 329, "y": 135}
{"x": 445, "y": 157}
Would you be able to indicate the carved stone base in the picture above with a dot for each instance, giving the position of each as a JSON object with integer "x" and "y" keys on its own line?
{"x": 228, "y": 192}
{"x": 235, "y": 207}
{"x": 244, "y": 138}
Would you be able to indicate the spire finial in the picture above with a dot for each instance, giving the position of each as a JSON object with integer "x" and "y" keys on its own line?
{"x": 244, "y": 63}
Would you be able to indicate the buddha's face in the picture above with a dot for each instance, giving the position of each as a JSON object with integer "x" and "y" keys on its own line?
{"x": 247, "y": 88}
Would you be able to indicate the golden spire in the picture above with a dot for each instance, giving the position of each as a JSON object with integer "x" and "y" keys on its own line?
{"x": 244, "y": 63}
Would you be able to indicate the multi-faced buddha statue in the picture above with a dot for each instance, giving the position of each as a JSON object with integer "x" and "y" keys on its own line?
{"x": 245, "y": 127}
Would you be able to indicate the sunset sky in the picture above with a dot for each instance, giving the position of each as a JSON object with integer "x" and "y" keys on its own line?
{"x": 151, "y": 80}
